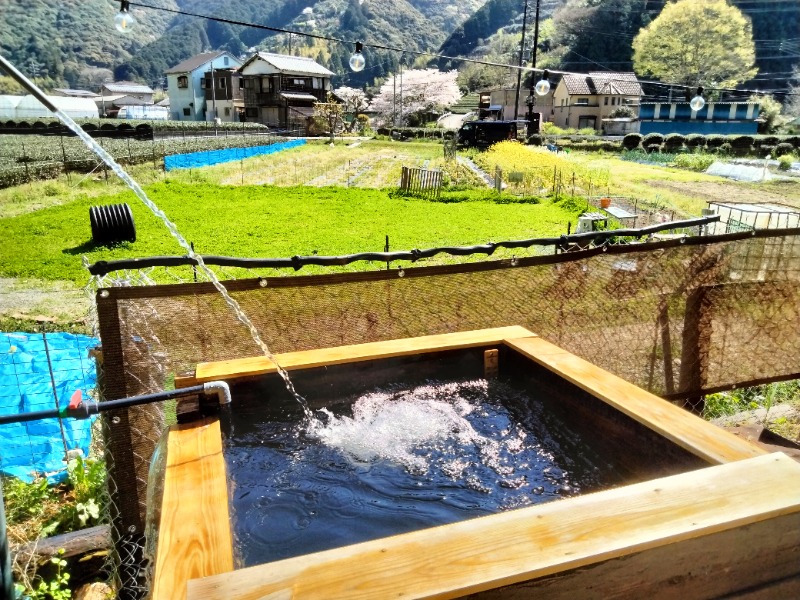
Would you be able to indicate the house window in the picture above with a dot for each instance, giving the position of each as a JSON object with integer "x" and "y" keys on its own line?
{"x": 241, "y": 83}
{"x": 227, "y": 111}
{"x": 582, "y": 102}
{"x": 251, "y": 111}
{"x": 317, "y": 83}
{"x": 187, "y": 112}
{"x": 225, "y": 60}
{"x": 221, "y": 84}
{"x": 606, "y": 101}
{"x": 183, "y": 81}
{"x": 246, "y": 83}
{"x": 205, "y": 83}
{"x": 298, "y": 81}
{"x": 266, "y": 84}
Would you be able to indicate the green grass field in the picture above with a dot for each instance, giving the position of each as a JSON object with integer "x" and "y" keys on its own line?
{"x": 265, "y": 221}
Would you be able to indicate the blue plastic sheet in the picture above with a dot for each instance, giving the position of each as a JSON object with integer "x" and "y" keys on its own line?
{"x": 37, "y": 447}
{"x": 215, "y": 157}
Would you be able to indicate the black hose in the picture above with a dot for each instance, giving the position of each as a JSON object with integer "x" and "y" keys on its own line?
{"x": 86, "y": 409}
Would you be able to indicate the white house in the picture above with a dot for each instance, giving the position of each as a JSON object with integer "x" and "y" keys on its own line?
{"x": 186, "y": 85}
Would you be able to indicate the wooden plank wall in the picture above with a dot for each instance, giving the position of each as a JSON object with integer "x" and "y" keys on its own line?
{"x": 661, "y": 535}
{"x": 194, "y": 535}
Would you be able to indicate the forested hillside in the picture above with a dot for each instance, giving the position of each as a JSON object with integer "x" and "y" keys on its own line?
{"x": 73, "y": 41}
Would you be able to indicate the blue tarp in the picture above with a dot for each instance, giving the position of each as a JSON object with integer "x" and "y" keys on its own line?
{"x": 37, "y": 447}
{"x": 215, "y": 157}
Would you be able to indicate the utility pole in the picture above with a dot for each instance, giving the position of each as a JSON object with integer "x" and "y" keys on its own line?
{"x": 533, "y": 63}
{"x": 213, "y": 96}
{"x": 521, "y": 51}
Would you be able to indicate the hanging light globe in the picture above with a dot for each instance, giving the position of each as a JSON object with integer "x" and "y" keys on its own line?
{"x": 357, "y": 62}
{"x": 542, "y": 87}
{"x": 697, "y": 103}
{"x": 124, "y": 21}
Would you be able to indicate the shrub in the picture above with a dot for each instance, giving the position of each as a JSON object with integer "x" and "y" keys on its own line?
{"x": 695, "y": 140}
{"x": 674, "y": 141}
{"x": 652, "y": 140}
{"x": 632, "y": 141}
{"x": 622, "y": 112}
{"x": 766, "y": 150}
{"x": 742, "y": 141}
{"x": 783, "y": 149}
{"x": 535, "y": 139}
{"x": 725, "y": 149}
{"x": 768, "y": 140}
{"x": 794, "y": 140}
{"x": 693, "y": 162}
{"x": 785, "y": 162}
{"x": 715, "y": 141}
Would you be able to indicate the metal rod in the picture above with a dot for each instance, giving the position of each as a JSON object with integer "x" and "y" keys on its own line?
{"x": 17, "y": 76}
{"x": 55, "y": 389}
{"x": 88, "y": 409}
{"x": 298, "y": 262}
{"x": 6, "y": 578}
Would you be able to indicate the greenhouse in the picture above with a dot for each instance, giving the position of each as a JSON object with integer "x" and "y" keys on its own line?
{"x": 8, "y": 106}
{"x": 29, "y": 107}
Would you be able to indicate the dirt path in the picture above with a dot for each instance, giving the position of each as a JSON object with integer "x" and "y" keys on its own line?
{"x": 722, "y": 191}
{"x": 31, "y": 298}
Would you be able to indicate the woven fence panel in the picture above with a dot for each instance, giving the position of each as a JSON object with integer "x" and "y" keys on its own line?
{"x": 623, "y": 308}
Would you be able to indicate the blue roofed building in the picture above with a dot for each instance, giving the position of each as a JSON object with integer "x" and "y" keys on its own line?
{"x": 724, "y": 118}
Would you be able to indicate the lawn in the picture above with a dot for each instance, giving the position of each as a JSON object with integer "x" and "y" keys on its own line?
{"x": 265, "y": 221}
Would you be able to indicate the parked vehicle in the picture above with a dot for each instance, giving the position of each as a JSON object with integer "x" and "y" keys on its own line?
{"x": 482, "y": 134}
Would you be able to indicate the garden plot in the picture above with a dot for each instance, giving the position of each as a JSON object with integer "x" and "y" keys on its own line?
{"x": 374, "y": 165}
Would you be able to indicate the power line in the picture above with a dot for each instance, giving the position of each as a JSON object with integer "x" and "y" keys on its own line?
{"x": 415, "y": 52}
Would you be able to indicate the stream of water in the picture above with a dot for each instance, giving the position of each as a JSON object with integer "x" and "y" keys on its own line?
{"x": 173, "y": 229}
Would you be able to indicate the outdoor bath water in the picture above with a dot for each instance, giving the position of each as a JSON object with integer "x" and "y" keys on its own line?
{"x": 394, "y": 460}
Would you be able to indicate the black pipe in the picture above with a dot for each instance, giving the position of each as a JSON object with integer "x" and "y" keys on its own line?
{"x": 298, "y": 262}
{"x": 84, "y": 410}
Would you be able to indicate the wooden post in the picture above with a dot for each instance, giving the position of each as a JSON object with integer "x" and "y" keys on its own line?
{"x": 491, "y": 364}
{"x": 697, "y": 329}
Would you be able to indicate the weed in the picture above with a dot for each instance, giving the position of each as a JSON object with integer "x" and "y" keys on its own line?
{"x": 56, "y": 588}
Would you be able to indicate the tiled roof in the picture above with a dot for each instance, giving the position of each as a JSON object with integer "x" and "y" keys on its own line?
{"x": 293, "y": 65}
{"x": 190, "y": 64}
{"x": 621, "y": 84}
{"x": 127, "y": 87}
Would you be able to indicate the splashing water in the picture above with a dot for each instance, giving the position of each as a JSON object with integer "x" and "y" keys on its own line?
{"x": 173, "y": 229}
{"x": 396, "y": 459}
{"x": 419, "y": 429}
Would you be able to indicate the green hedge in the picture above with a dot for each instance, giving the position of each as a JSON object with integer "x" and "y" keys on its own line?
{"x": 632, "y": 141}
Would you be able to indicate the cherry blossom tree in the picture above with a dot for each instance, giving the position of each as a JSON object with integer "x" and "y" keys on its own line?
{"x": 354, "y": 101}
{"x": 414, "y": 93}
